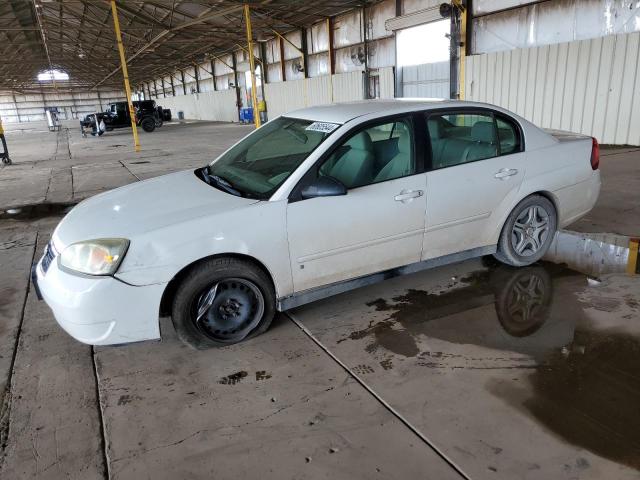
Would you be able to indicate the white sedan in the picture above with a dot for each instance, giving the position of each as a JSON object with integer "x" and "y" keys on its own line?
{"x": 314, "y": 203}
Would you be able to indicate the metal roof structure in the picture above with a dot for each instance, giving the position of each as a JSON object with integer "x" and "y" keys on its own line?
{"x": 159, "y": 36}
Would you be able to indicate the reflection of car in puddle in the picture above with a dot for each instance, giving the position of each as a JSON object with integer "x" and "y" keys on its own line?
{"x": 583, "y": 382}
{"x": 524, "y": 304}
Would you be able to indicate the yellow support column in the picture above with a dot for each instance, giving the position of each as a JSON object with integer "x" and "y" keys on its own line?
{"x": 254, "y": 95}
{"x": 125, "y": 73}
{"x": 463, "y": 46}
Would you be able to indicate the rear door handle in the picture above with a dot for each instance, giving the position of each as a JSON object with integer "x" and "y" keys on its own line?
{"x": 505, "y": 173}
{"x": 406, "y": 195}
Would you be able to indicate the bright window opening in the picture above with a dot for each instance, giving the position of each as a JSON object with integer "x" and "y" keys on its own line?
{"x": 51, "y": 75}
{"x": 424, "y": 44}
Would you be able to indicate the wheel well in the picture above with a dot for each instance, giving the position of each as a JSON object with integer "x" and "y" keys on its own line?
{"x": 172, "y": 286}
{"x": 543, "y": 193}
{"x": 549, "y": 196}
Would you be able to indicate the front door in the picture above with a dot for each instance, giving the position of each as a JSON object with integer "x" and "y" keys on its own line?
{"x": 377, "y": 225}
{"x": 477, "y": 167}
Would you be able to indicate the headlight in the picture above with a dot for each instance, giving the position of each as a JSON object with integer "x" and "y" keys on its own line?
{"x": 95, "y": 257}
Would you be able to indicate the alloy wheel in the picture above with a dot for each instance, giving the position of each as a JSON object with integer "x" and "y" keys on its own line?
{"x": 530, "y": 230}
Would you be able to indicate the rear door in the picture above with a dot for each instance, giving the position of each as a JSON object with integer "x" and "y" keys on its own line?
{"x": 477, "y": 166}
{"x": 378, "y": 224}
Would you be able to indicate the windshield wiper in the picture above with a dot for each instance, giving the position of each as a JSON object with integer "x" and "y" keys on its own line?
{"x": 221, "y": 183}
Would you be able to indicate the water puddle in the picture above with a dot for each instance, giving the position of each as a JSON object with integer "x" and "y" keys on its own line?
{"x": 587, "y": 393}
{"x": 502, "y": 308}
{"x": 577, "y": 374}
{"x": 36, "y": 212}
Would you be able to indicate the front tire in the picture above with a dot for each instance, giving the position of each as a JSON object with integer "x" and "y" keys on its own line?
{"x": 528, "y": 232}
{"x": 223, "y": 301}
{"x": 148, "y": 124}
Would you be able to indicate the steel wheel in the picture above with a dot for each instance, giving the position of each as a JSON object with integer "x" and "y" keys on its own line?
{"x": 530, "y": 231}
{"x": 229, "y": 310}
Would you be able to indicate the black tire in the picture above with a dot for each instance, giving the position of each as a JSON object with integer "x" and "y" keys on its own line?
{"x": 536, "y": 238}
{"x": 234, "y": 314}
{"x": 6, "y": 161}
{"x": 148, "y": 124}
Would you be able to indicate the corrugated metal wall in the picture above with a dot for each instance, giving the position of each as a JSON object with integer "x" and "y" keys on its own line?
{"x": 282, "y": 97}
{"x": 30, "y": 107}
{"x": 217, "y": 106}
{"x": 429, "y": 80}
{"x": 588, "y": 86}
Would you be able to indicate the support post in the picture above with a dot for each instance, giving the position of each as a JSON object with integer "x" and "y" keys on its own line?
{"x": 197, "y": 77}
{"x": 254, "y": 93}
{"x": 234, "y": 67}
{"x": 283, "y": 72}
{"x": 164, "y": 89}
{"x": 463, "y": 51}
{"x": 213, "y": 75}
{"x": 184, "y": 85}
{"x": 263, "y": 57}
{"x": 305, "y": 52}
{"x": 459, "y": 20}
{"x": 366, "y": 53}
{"x": 125, "y": 73}
{"x": 332, "y": 61}
{"x": 173, "y": 88}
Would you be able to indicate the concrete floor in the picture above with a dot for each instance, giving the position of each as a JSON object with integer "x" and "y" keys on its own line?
{"x": 405, "y": 379}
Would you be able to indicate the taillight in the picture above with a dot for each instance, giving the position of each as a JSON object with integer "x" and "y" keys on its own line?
{"x": 595, "y": 154}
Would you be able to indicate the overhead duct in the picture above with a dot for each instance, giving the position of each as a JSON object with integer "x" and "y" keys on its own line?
{"x": 427, "y": 15}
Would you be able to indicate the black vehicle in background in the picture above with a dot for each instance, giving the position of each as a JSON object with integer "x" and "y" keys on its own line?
{"x": 147, "y": 114}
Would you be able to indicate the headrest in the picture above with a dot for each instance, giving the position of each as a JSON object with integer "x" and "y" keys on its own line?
{"x": 361, "y": 141}
{"x": 435, "y": 129}
{"x": 404, "y": 142}
{"x": 483, "y": 132}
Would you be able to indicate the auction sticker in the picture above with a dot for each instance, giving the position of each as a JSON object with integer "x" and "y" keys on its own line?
{"x": 323, "y": 127}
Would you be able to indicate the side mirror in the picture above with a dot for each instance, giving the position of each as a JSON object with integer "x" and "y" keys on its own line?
{"x": 324, "y": 187}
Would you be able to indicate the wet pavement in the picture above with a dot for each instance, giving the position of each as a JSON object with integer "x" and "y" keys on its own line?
{"x": 514, "y": 373}
{"x": 530, "y": 373}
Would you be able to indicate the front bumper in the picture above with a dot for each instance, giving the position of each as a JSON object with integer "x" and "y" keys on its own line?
{"x": 99, "y": 310}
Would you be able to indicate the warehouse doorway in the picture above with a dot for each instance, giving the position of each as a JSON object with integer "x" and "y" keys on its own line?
{"x": 422, "y": 60}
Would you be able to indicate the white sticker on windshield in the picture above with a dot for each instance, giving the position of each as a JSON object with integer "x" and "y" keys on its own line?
{"x": 323, "y": 127}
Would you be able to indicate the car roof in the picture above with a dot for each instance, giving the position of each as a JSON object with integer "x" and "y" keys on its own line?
{"x": 344, "y": 112}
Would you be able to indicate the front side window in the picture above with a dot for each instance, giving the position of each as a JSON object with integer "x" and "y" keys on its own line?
{"x": 261, "y": 162}
{"x": 458, "y": 138}
{"x": 373, "y": 155}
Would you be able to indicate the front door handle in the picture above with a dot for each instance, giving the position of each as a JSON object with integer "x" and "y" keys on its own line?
{"x": 505, "y": 173}
{"x": 407, "y": 195}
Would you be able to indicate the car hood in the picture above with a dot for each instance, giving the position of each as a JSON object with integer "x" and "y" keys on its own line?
{"x": 144, "y": 206}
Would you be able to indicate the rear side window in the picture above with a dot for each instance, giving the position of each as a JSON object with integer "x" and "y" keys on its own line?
{"x": 458, "y": 138}
{"x": 508, "y": 136}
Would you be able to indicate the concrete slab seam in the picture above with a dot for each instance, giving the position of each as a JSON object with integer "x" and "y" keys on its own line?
{"x": 103, "y": 433}
{"x": 5, "y": 408}
{"x": 381, "y": 400}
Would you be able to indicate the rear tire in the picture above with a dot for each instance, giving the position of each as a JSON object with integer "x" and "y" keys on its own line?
{"x": 528, "y": 232}
{"x": 148, "y": 124}
{"x": 223, "y": 301}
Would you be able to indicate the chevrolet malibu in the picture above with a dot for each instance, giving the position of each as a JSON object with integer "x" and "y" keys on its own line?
{"x": 314, "y": 203}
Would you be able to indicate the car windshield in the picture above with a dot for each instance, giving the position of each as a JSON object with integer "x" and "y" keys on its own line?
{"x": 260, "y": 163}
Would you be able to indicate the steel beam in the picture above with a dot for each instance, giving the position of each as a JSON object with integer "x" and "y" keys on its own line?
{"x": 125, "y": 74}
{"x": 252, "y": 66}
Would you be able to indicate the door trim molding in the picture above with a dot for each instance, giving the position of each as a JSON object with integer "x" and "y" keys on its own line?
{"x": 460, "y": 221}
{"x": 357, "y": 246}
{"x": 313, "y": 294}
